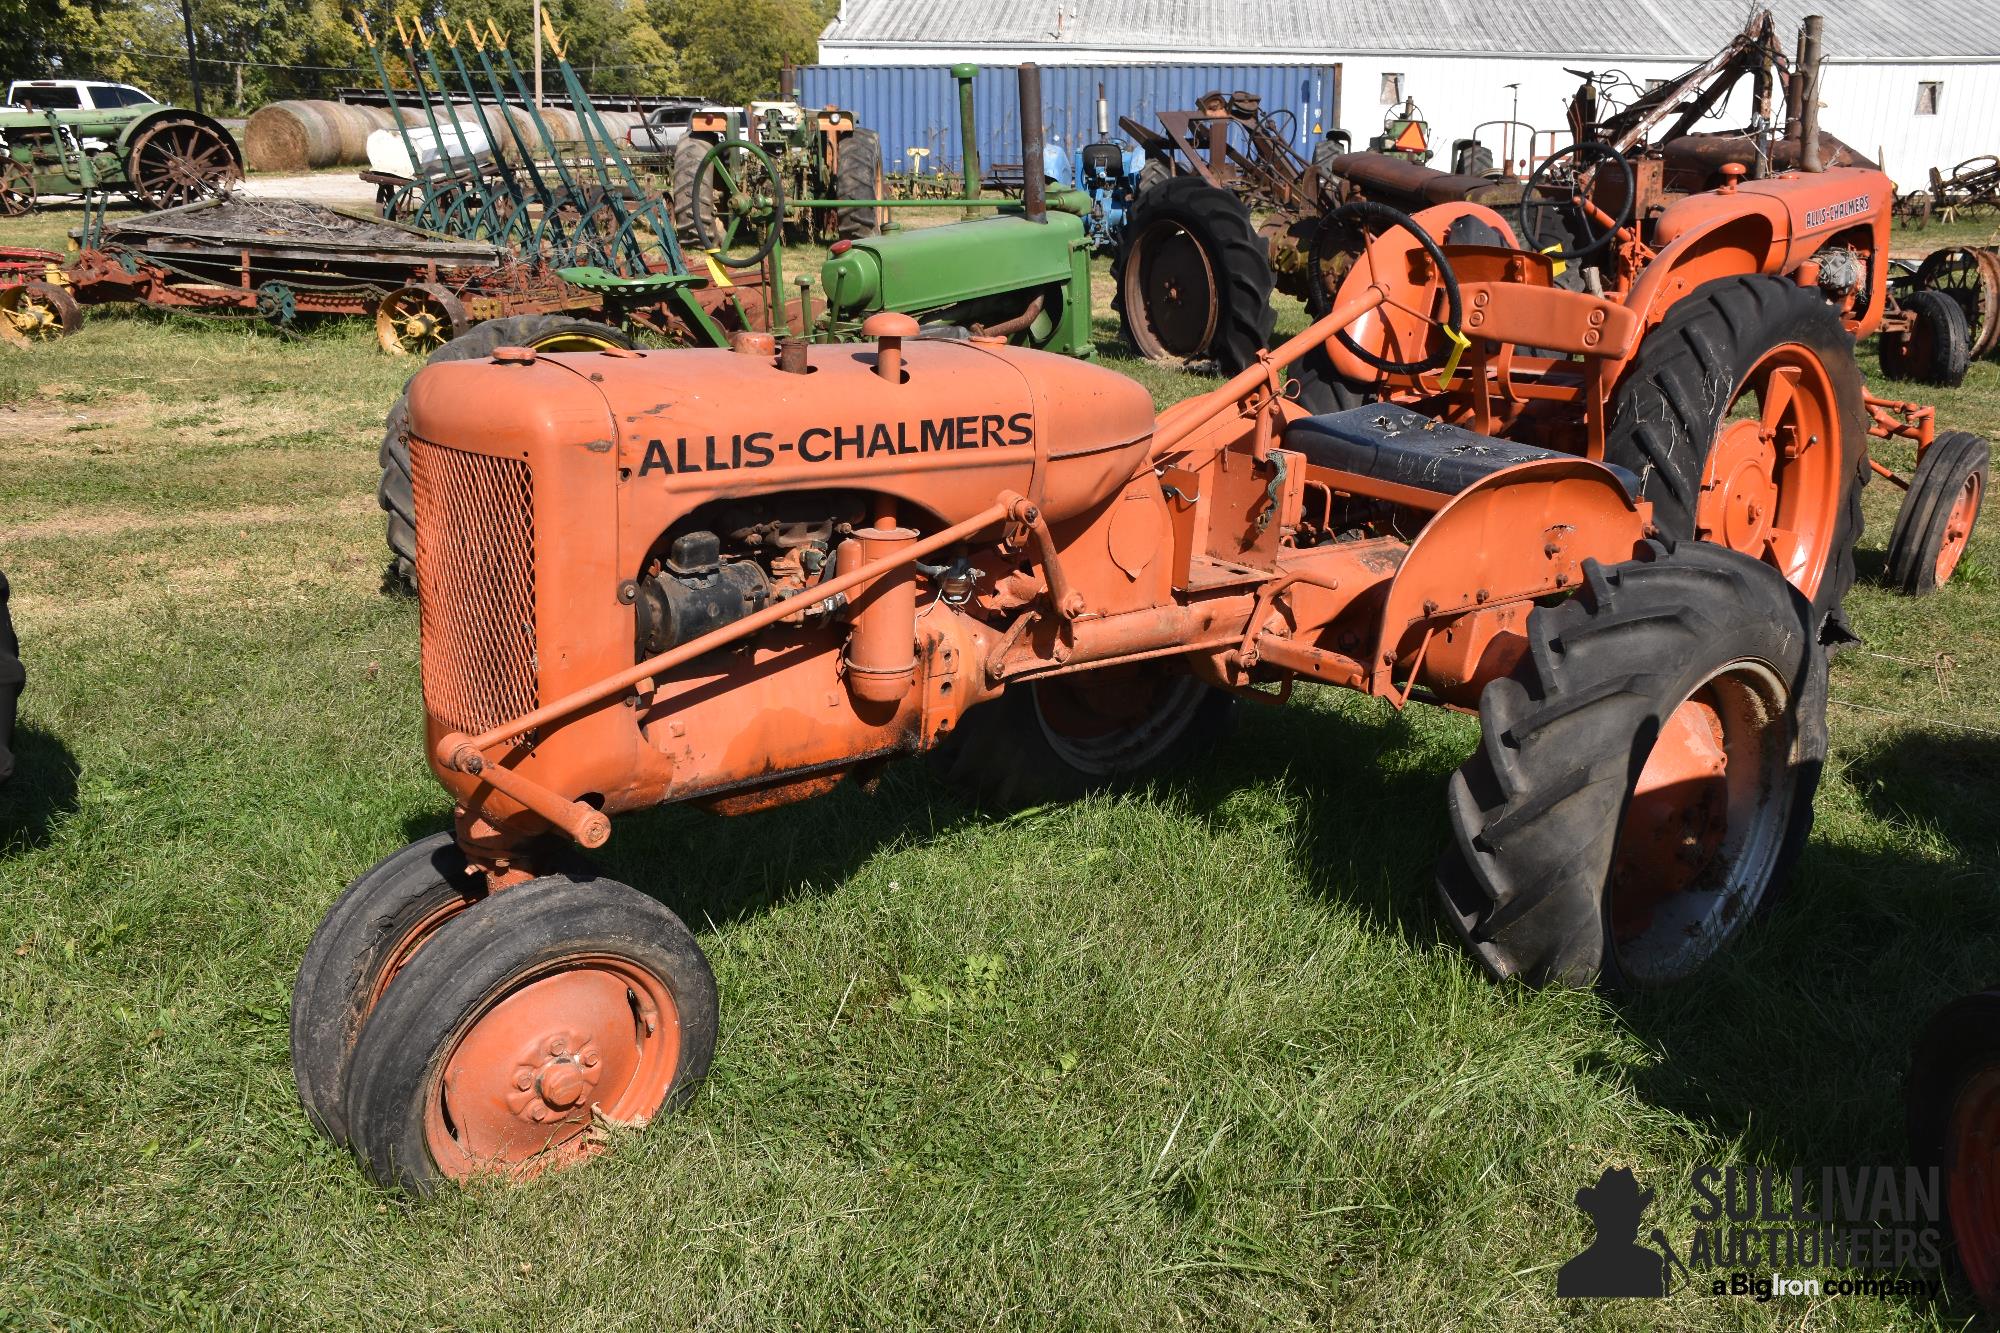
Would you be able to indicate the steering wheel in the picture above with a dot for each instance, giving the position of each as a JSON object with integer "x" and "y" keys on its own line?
{"x": 1533, "y": 204}
{"x": 745, "y": 200}
{"x": 1358, "y": 214}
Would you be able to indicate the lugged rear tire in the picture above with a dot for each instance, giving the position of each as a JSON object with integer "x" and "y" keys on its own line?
{"x": 1236, "y": 282}
{"x": 396, "y": 493}
{"x": 1557, "y": 873}
{"x": 1058, "y": 739}
{"x": 859, "y": 177}
{"x": 1671, "y": 412}
{"x": 12, "y": 678}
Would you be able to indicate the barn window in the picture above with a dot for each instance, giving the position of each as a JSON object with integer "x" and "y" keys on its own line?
{"x": 1928, "y": 93}
{"x": 1392, "y": 89}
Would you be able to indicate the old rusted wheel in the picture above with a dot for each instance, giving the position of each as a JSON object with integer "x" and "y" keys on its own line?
{"x": 1059, "y": 738}
{"x": 418, "y": 319}
{"x": 524, "y": 1029}
{"x": 177, "y": 161}
{"x": 1192, "y": 279}
{"x": 373, "y": 929}
{"x": 1696, "y": 666}
{"x": 17, "y": 189}
{"x": 34, "y": 312}
{"x": 1970, "y": 276}
{"x": 1938, "y": 513}
{"x": 1742, "y": 414}
{"x": 1952, "y": 1099}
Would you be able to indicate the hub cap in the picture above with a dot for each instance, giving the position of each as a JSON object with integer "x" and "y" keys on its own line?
{"x": 521, "y": 1086}
{"x": 1703, "y": 828}
{"x": 1772, "y": 487}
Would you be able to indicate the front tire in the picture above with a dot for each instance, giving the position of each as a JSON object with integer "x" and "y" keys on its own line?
{"x": 1726, "y": 479}
{"x": 1063, "y": 737}
{"x": 1937, "y": 515}
{"x": 499, "y": 1047}
{"x": 1937, "y": 347}
{"x": 375, "y": 927}
{"x": 1645, "y": 777}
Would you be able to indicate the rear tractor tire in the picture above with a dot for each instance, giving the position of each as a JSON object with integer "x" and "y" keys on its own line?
{"x": 1645, "y": 777}
{"x": 1061, "y": 738}
{"x": 1743, "y": 372}
{"x": 12, "y": 678}
{"x": 1191, "y": 280}
{"x": 526, "y": 1027}
{"x": 396, "y": 494}
{"x": 1936, "y": 348}
{"x": 859, "y": 176}
{"x": 1952, "y": 1099}
{"x": 1938, "y": 513}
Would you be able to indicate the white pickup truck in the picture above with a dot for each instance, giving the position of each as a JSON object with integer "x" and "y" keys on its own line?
{"x": 73, "y": 95}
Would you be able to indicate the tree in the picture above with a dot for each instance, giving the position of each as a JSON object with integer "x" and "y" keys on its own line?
{"x": 731, "y": 50}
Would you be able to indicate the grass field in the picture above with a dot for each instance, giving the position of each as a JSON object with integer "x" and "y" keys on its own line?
{"x": 1201, "y": 1054}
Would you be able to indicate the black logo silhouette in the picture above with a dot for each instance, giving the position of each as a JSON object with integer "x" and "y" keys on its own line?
{"x": 1615, "y": 1263}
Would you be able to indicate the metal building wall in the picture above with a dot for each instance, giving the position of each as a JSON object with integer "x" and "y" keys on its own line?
{"x": 916, "y": 106}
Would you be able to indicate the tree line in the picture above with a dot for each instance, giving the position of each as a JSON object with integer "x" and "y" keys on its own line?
{"x": 254, "y": 51}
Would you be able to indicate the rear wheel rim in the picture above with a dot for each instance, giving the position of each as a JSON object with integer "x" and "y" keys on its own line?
{"x": 1170, "y": 289}
{"x": 524, "y": 1081}
{"x": 1972, "y": 1186}
{"x": 1771, "y": 487}
{"x": 1113, "y": 722}
{"x": 1958, "y": 527}
{"x": 1703, "y": 827}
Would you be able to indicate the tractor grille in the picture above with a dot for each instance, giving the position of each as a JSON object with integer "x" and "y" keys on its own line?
{"x": 476, "y": 581}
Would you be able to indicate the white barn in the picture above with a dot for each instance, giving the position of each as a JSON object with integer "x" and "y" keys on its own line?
{"x": 1916, "y": 82}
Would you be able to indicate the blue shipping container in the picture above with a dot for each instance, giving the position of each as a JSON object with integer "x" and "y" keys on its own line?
{"x": 916, "y": 106}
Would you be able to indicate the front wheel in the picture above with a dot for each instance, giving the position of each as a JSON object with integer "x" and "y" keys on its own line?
{"x": 1937, "y": 516}
{"x": 1645, "y": 777}
{"x": 1059, "y": 738}
{"x": 526, "y": 1027}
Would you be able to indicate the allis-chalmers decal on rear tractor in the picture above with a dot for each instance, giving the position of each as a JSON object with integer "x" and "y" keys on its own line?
{"x": 1616, "y": 523}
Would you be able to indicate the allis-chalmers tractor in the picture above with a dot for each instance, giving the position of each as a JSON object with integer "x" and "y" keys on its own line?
{"x": 1615, "y": 526}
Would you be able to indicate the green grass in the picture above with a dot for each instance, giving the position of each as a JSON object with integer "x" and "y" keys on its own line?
{"x": 1230, "y": 1069}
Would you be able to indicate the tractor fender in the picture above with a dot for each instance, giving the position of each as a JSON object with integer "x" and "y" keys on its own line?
{"x": 1706, "y": 237}
{"x": 140, "y": 124}
{"x": 1514, "y": 535}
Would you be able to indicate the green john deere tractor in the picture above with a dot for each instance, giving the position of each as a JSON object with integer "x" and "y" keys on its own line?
{"x": 161, "y": 156}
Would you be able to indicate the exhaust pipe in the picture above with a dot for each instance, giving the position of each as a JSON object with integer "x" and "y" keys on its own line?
{"x": 1034, "y": 190}
{"x": 1810, "y": 49}
{"x": 968, "y": 133}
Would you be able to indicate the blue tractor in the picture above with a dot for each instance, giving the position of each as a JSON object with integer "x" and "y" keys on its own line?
{"x": 1113, "y": 175}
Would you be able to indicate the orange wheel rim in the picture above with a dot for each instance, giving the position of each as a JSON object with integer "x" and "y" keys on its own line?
{"x": 526, "y": 1078}
{"x": 1972, "y": 1184}
{"x": 1772, "y": 488}
{"x": 1703, "y": 827}
{"x": 1958, "y": 527}
{"x": 415, "y": 938}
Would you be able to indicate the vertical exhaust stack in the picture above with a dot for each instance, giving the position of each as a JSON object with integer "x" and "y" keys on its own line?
{"x": 1810, "y": 51}
{"x": 1034, "y": 190}
{"x": 968, "y": 131}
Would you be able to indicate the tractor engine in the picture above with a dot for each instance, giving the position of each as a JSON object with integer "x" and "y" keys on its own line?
{"x": 581, "y": 513}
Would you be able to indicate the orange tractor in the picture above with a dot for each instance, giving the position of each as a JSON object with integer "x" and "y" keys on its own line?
{"x": 740, "y": 578}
